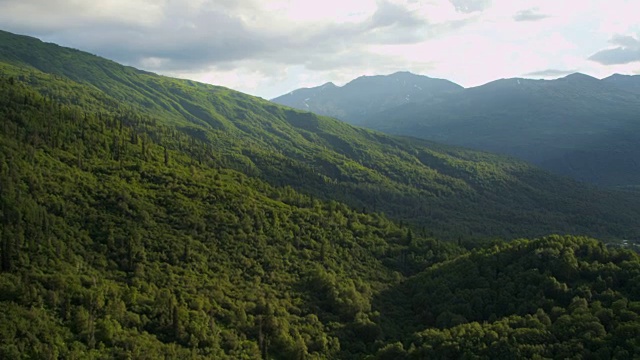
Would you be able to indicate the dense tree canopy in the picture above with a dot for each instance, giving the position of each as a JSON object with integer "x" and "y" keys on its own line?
{"x": 145, "y": 217}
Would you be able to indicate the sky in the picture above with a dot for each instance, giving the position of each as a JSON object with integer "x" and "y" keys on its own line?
{"x": 270, "y": 47}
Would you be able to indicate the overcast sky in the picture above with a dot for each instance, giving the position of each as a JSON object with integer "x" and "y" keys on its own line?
{"x": 270, "y": 47}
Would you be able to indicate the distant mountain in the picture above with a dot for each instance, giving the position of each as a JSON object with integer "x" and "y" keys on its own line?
{"x": 629, "y": 83}
{"x": 367, "y": 95}
{"x": 578, "y": 126}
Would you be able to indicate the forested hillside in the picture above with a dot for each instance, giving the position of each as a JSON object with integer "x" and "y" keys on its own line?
{"x": 146, "y": 217}
{"x": 445, "y": 191}
{"x": 556, "y": 297}
{"x": 577, "y": 126}
{"x": 117, "y": 240}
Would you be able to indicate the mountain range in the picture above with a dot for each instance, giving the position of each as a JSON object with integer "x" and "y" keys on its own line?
{"x": 576, "y": 126}
{"x": 148, "y": 217}
{"x": 367, "y": 95}
{"x": 452, "y": 191}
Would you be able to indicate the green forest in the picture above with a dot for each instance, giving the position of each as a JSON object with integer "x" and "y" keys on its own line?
{"x": 144, "y": 217}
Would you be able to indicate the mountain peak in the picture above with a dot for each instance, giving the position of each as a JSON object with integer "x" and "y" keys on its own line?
{"x": 405, "y": 73}
{"x": 629, "y": 83}
{"x": 618, "y": 76}
{"x": 579, "y": 77}
{"x": 367, "y": 94}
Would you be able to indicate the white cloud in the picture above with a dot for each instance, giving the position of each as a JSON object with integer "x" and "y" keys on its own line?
{"x": 306, "y": 12}
{"x": 626, "y": 50}
{"x": 529, "y": 15}
{"x": 270, "y": 47}
{"x": 53, "y": 15}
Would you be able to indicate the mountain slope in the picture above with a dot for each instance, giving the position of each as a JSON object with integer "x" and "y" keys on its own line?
{"x": 577, "y": 126}
{"x": 629, "y": 83}
{"x": 366, "y": 95}
{"x": 116, "y": 241}
{"x": 133, "y": 230}
{"x": 446, "y": 191}
{"x": 556, "y": 297}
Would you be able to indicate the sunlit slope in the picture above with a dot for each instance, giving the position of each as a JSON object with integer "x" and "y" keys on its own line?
{"x": 447, "y": 191}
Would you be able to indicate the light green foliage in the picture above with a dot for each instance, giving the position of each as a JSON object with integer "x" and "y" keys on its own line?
{"x": 449, "y": 192}
{"x": 131, "y": 229}
{"x": 125, "y": 251}
{"x": 556, "y": 297}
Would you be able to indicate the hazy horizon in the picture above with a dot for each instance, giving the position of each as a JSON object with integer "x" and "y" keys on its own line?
{"x": 268, "y": 48}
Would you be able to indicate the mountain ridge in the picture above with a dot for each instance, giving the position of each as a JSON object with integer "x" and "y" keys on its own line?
{"x": 348, "y": 103}
{"x": 147, "y": 217}
{"x": 331, "y": 160}
{"x": 547, "y": 122}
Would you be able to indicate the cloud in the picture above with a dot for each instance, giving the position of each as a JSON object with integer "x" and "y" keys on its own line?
{"x": 625, "y": 41}
{"x": 470, "y": 6}
{"x": 389, "y": 14}
{"x": 550, "y": 73}
{"x": 278, "y": 44}
{"x": 627, "y": 51}
{"x": 174, "y": 43}
{"x": 180, "y": 36}
{"x": 529, "y": 15}
{"x": 41, "y": 17}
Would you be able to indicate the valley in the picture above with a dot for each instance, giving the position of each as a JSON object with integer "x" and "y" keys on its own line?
{"x": 576, "y": 126}
{"x": 143, "y": 216}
